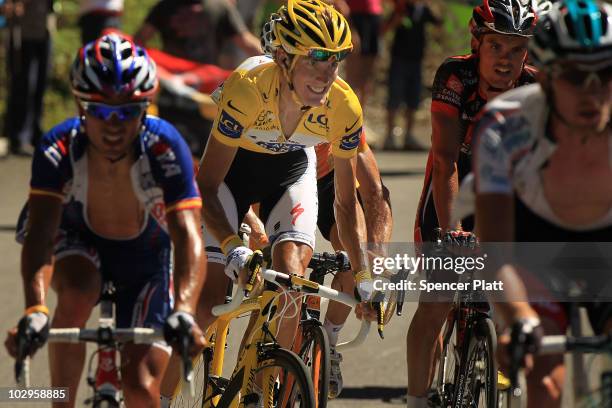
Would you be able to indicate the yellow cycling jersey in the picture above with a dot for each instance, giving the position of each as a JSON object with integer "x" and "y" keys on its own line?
{"x": 248, "y": 115}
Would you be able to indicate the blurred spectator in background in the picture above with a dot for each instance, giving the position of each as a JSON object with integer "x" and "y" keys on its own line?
{"x": 29, "y": 46}
{"x": 408, "y": 20}
{"x": 365, "y": 19}
{"x": 98, "y": 15}
{"x": 197, "y": 29}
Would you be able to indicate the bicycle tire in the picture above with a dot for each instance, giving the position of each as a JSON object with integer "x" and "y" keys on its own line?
{"x": 104, "y": 403}
{"x": 288, "y": 362}
{"x": 314, "y": 352}
{"x": 448, "y": 365}
{"x": 474, "y": 379}
{"x": 200, "y": 377}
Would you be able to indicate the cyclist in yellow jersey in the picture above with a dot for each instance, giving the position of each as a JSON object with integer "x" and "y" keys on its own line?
{"x": 273, "y": 110}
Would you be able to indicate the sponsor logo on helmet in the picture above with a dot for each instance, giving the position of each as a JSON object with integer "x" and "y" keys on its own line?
{"x": 350, "y": 142}
{"x": 229, "y": 126}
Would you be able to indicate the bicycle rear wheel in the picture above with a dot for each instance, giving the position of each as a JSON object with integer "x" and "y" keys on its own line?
{"x": 314, "y": 351}
{"x": 478, "y": 378}
{"x": 287, "y": 380}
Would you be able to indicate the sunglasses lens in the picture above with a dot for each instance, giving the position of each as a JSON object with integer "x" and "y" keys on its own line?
{"x": 579, "y": 77}
{"x": 324, "y": 55}
{"x": 320, "y": 55}
{"x": 342, "y": 55}
{"x": 606, "y": 75}
{"x": 123, "y": 112}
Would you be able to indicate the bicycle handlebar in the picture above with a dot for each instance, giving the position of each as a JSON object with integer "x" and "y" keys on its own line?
{"x": 589, "y": 344}
{"x": 294, "y": 283}
{"x": 103, "y": 335}
{"x": 138, "y": 335}
{"x": 300, "y": 284}
{"x": 557, "y": 344}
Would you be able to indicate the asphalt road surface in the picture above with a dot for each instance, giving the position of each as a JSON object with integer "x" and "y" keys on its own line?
{"x": 374, "y": 374}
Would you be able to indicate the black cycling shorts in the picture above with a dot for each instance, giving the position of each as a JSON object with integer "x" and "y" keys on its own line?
{"x": 327, "y": 194}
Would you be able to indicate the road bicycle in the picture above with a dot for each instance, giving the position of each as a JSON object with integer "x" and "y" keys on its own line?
{"x": 466, "y": 374}
{"x": 266, "y": 374}
{"x": 103, "y": 374}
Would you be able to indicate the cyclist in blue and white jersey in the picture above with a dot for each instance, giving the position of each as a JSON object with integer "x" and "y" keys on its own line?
{"x": 112, "y": 197}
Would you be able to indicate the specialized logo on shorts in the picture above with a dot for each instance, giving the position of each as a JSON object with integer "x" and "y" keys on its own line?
{"x": 453, "y": 83}
{"x": 229, "y": 126}
{"x": 281, "y": 147}
{"x": 350, "y": 142}
{"x": 296, "y": 212}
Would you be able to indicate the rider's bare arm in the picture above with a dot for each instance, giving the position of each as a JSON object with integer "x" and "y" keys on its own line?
{"x": 375, "y": 197}
{"x": 44, "y": 216}
{"x": 349, "y": 217}
{"x": 184, "y": 227}
{"x": 214, "y": 166}
{"x": 495, "y": 215}
{"x": 257, "y": 238}
{"x": 446, "y": 131}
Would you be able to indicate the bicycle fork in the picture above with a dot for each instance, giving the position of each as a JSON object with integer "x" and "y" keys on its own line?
{"x": 105, "y": 380}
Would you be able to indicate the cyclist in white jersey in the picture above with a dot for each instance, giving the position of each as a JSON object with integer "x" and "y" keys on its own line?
{"x": 543, "y": 164}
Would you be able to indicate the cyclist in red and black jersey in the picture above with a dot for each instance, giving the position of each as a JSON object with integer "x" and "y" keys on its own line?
{"x": 462, "y": 86}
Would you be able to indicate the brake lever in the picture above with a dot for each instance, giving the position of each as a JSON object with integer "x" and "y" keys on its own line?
{"x": 401, "y": 275}
{"x": 377, "y": 302}
{"x": 516, "y": 349}
{"x": 254, "y": 267}
{"x": 185, "y": 342}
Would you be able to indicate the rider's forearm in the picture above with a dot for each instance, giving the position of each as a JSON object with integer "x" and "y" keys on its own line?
{"x": 36, "y": 268}
{"x": 377, "y": 212}
{"x": 188, "y": 262}
{"x": 351, "y": 231}
{"x": 445, "y": 188}
{"x": 214, "y": 216}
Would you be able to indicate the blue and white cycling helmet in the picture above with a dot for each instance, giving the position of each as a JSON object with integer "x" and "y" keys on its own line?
{"x": 577, "y": 31}
{"x": 111, "y": 66}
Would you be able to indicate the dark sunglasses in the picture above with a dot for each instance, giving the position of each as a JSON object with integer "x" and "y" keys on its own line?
{"x": 320, "y": 55}
{"x": 583, "y": 78}
{"x": 123, "y": 112}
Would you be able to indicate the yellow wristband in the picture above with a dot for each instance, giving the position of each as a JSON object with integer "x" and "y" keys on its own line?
{"x": 37, "y": 308}
{"x": 363, "y": 274}
{"x": 230, "y": 243}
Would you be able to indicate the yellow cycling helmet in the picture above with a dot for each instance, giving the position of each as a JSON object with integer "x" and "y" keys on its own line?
{"x": 306, "y": 25}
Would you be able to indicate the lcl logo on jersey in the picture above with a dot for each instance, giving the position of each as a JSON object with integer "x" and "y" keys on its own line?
{"x": 320, "y": 120}
{"x": 350, "y": 142}
{"x": 229, "y": 126}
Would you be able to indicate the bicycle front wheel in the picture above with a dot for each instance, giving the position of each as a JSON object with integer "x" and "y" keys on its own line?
{"x": 478, "y": 378}
{"x": 285, "y": 383}
{"x": 315, "y": 354}
{"x": 204, "y": 389}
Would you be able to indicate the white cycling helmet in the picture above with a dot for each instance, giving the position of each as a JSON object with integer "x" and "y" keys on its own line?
{"x": 578, "y": 31}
